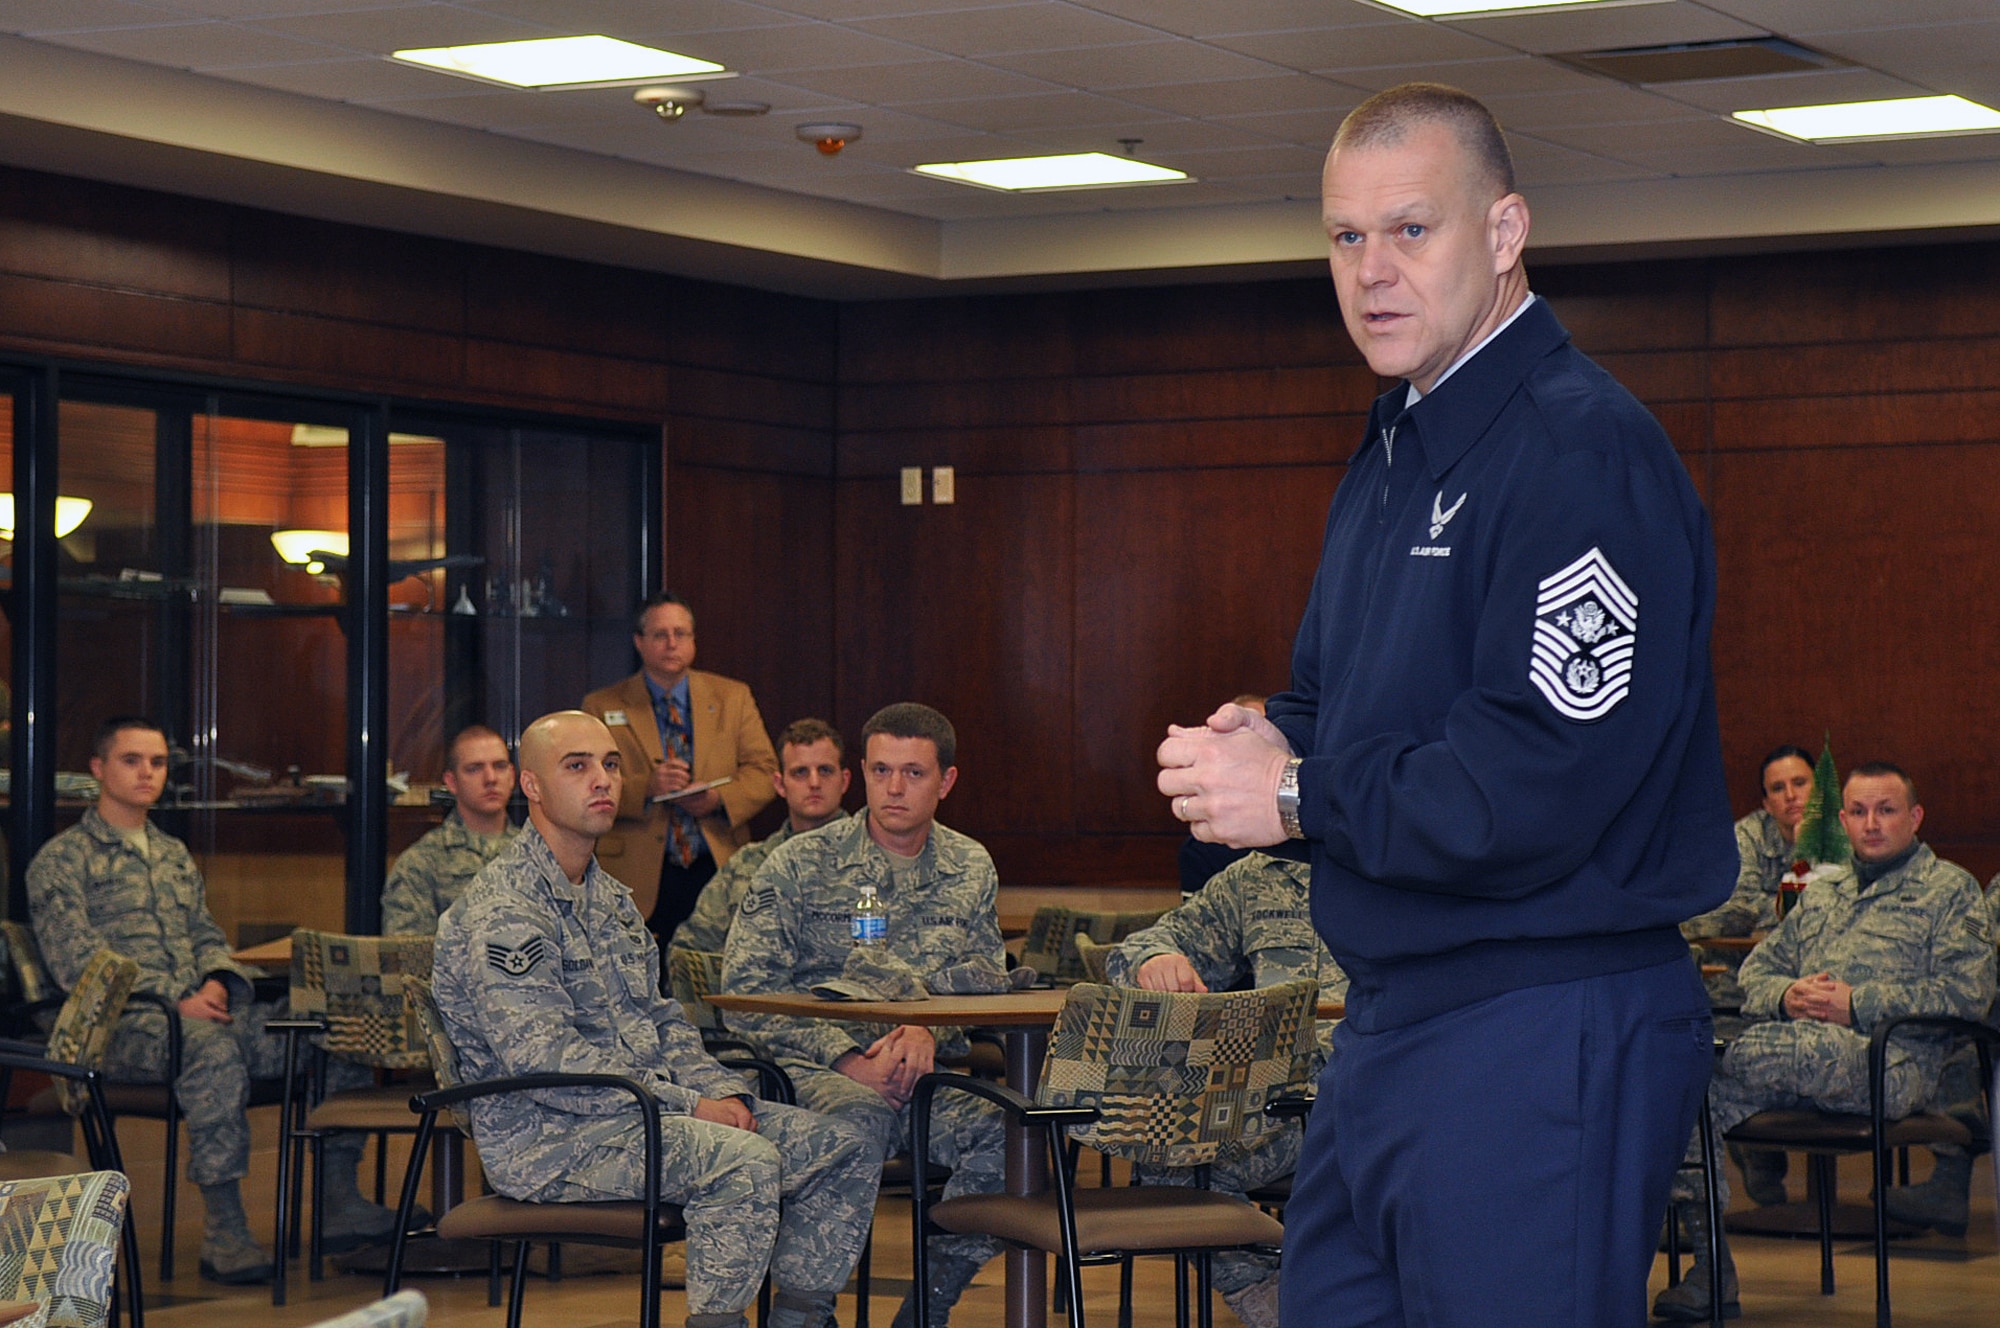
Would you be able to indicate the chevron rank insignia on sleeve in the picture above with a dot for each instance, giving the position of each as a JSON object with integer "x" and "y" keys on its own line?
{"x": 517, "y": 960}
{"x": 1586, "y": 626}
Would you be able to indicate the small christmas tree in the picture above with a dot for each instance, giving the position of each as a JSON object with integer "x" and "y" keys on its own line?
{"x": 1821, "y": 839}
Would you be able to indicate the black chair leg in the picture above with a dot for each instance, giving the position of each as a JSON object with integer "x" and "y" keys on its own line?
{"x": 1881, "y": 1166}
{"x": 493, "y": 1273}
{"x": 134, "y": 1293}
{"x": 381, "y": 1166}
{"x": 1125, "y": 1292}
{"x": 555, "y": 1263}
{"x": 169, "y": 1185}
{"x": 316, "y": 1268}
{"x": 1825, "y": 1179}
{"x": 520, "y": 1287}
{"x": 1180, "y": 1291}
{"x": 1711, "y": 1197}
{"x": 861, "y": 1269}
{"x": 1204, "y": 1292}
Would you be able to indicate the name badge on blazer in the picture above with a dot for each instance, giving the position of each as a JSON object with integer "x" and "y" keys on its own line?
{"x": 616, "y": 717}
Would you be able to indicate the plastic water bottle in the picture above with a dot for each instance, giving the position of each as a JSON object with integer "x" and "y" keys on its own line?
{"x": 870, "y": 924}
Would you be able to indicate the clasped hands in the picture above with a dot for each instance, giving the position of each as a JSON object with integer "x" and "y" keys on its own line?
{"x": 1222, "y": 777}
{"x": 1821, "y": 996}
{"x": 892, "y": 1064}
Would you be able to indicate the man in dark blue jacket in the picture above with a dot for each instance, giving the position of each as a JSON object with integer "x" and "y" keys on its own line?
{"x": 1500, "y": 753}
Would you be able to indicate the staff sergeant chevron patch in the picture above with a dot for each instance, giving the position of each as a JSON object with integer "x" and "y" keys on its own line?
{"x": 517, "y": 960}
{"x": 1586, "y": 626}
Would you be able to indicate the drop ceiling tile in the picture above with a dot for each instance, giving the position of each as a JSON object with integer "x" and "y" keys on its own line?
{"x": 1826, "y": 85}
{"x": 1101, "y": 68}
{"x": 1313, "y": 129}
{"x": 1405, "y": 42}
{"x": 1795, "y": 18}
{"x": 1610, "y": 27}
{"x": 1607, "y": 103}
{"x": 379, "y": 31}
{"x": 1247, "y": 96}
{"x": 1919, "y": 151}
{"x": 197, "y": 45}
{"x": 1007, "y": 29}
{"x": 638, "y": 20}
{"x": 1538, "y": 164}
{"x": 1270, "y": 159}
{"x": 254, "y": 9}
{"x": 28, "y": 17}
{"x": 362, "y": 79}
{"x": 803, "y": 45}
{"x": 1755, "y": 152}
{"x": 1515, "y": 75}
{"x": 918, "y": 80}
{"x": 783, "y": 95}
{"x": 1947, "y": 58}
{"x": 1008, "y": 114}
{"x": 1184, "y": 135}
{"x": 1620, "y": 140}
{"x": 1205, "y": 18}
{"x": 843, "y": 11}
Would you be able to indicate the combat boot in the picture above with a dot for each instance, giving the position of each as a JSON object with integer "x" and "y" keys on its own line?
{"x": 231, "y": 1256}
{"x": 1763, "y": 1173}
{"x": 1942, "y": 1202}
{"x": 950, "y": 1275}
{"x": 347, "y": 1220}
{"x": 1256, "y": 1304}
{"x": 1687, "y": 1301}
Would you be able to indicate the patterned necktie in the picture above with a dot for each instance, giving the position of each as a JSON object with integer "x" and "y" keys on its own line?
{"x": 683, "y": 831}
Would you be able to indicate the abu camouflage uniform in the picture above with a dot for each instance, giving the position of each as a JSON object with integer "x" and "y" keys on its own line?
{"x": 1918, "y": 940}
{"x": 707, "y": 928}
{"x": 535, "y": 974}
{"x": 91, "y": 888}
{"x": 1764, "y": 855}
{"x": 1959, "y": 1094}
{"x": 1251, "y": 925}
{"x": 434, "y": 871}
{"x": 792, "y": 931}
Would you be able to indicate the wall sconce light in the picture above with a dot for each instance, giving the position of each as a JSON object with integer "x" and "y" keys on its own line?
{"x": 297, "y": 547}
{"x": 70, "y": 513}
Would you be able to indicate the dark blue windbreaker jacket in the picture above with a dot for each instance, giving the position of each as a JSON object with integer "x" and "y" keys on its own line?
{"x": 1503, "y": 693}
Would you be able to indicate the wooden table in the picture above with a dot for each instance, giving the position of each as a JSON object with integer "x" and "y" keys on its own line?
{"x": 271, "y": 954}
{"x": 1024, "y": 1019}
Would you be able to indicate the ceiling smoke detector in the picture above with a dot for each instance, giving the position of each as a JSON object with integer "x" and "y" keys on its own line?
{"x": 829, "y": 136}
{"x": 669, "y": 104}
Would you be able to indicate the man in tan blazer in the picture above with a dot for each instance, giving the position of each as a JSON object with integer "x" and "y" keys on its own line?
{"x": 677, "y": 727}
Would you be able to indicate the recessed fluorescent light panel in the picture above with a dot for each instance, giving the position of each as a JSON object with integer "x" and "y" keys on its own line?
{"x": 1074, "y": 170}
{"x": 1473, "y": 8}
{"x": 553, "y": 62}
{"x": 1902, "y": 117}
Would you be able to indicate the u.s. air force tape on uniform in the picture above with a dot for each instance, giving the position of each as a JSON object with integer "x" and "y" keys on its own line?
{"x": 1586, "y": 626}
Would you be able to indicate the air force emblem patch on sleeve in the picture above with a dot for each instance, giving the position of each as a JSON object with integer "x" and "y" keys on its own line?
{"x": 1586, "y": 625}
{"x": 517, "y": 961}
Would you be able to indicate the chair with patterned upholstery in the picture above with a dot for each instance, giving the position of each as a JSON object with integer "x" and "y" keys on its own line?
{"x": 1090, "y": 955}
{"x": 75, "y": 1051}
{"x": 405, "y": 1309}
{"x": 1051, "y": 942}
{"x": 1162, "y": 1079}
{"x": 58, "y": 1246}
{"x": 644, "y": 1224}
{"x": 347, "y": 1000}
{"x": 691, "y": 975}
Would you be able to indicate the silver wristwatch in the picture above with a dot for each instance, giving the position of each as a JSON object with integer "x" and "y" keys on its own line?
{"x": 1288, "y": 799}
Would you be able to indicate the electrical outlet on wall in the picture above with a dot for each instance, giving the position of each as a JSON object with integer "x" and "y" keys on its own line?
{"x": 913, "y": 486}
{"x": 944, "y": 484}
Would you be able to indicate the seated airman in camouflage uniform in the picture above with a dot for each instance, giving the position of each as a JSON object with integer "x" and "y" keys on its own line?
{"x": 1765, "y": 848}
{"x": 940, "y": 896}
{"x": 1900, "y": 931}
{"x": 812, "y": 778}
{"x": 116, "y": 881}
{"x": 1944, "y": 1200}
{"x": 432, "y": 872}
{"x": 1250, "y": 926}
{"x": 544, "y": 965}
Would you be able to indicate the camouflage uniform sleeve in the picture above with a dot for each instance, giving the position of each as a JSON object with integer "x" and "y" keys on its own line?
{"x": 982, "y": 939}
{"x": 707, "y": 928}
{"x": 1960, "y": 980}
{"x": 1739, "y": 914}
{"x": 761, "y": 955}
{"x": 1207, "y": 929}
{"x": 205, "y": 935}
{"x": 687, "y": 1059}
{"x": 1772, "y": 967}
{"x": 408, "y": 906}
{"x": 56, "y": 881}
{"x": 514, "y": 1002}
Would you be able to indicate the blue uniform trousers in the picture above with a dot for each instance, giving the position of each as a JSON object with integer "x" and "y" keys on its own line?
{"x": 1504, "y": 1163}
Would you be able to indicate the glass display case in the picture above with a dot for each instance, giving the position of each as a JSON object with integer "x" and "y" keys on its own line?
{"x": 310, "y": 595}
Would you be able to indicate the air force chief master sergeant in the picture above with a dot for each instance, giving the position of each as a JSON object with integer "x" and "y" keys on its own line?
{"x": 1499, "y": 751}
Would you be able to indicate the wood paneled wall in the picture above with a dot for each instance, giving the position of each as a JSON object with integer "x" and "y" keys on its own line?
{"x": 1142, "y": 475}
